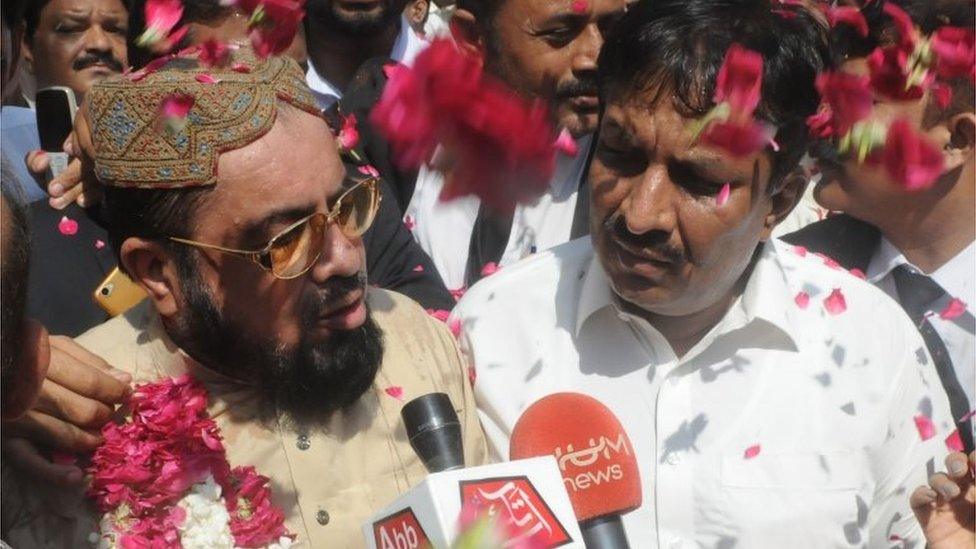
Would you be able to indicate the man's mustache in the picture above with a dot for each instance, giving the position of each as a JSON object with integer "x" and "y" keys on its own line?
{"x": 656, "y": 242}
{"x": 333, "y": 293}
{"x": 575, "y": 88}
{"x": 91, "y": 59}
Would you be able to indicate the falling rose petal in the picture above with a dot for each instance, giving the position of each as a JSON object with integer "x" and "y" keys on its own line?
{"x": 846, "y": 100}
{"x": 579, "y": 6}
{"x": 969, "y": 415}
{"x": 99, "y": 244}
{"x": 161, "y": 17}
{"x": 858, "y": 273}
{"x": 954, "y": 309}
{"x": 472, "y": 375}
{"x": 408, "y": 222}
{"x": 455, "y": 327}
{"x": 802, "y": 300}
{"x": 240, "y": 67}
{"x": 835, "y": 303}
{"x": 774, "y": 145}
{"x": 828, "y": 261}
{"x": 954, "y": 442}
{"x": 349, "y": 134}
{"x": 848, "y": 15}
{"x": 800, "y": 251}
{"x": 368, "y": 169}
{"x": 439, "y": 314}
{"x": 68, "y": 226}
{"x": 910, "y": 159}
{"x": 176, "y": 106}
{"x": 739, "y": 80}
{"x": 566, "y": 144}
{"x": 204, "y": 78}
{"x": 925, "y": 427}
{"x": 214, "y": 53}
{"x": 955, "y": 51}
{"x": 489, "y": 269}
{"x": 394, "y": 391}
{"x": 458, "y": 293}
{"x": 942, "y": 95}
{"x": 418, "y": 269}
{"x": 752, "y": 451}
{"x": 723, "y": 195}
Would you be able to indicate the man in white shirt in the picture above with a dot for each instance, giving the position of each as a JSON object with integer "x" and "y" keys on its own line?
{"x": 760, "y": 413}
{"x": 544, "y": 50}
{"x": 918, "y": 246}
{"x": 340, "y": 35}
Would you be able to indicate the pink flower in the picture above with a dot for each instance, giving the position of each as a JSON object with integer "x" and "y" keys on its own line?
{"x": 369, "y": 170}
{"x": 439, "y": 314}
{"x": 858, "y": 273}
{"x": 913, "y": 162}
{"x": 723, "y": 195}
{"x": 566, "y": 144}
{"x": 161, "y": 17}
{"x": 752, "y": 451}
{"x": 68, "y": 226}
{"x": 205, "y": 78}
{"x": 489, "y": 269}
{"x": 955, "y": 52}
{"x": 458, "y": 293}
{"x": 579, "y": 6}
{"x": 847, "y": 15}
{"x": 273, "y": 24}
{"x": 214, "y": 53}
{"x": 835, "y": 303}
{"x": 240, "y": 67}
{"x": 254, "y": 519}
{"x": 455, "y": 327}
{"x": 903, "y": 22}
{"x": 408, "y": 222}
{"x": 890, "y": 74}
{"x": 394, "y": 391}
{"x": 926, "y": 429}
{"x": 150, "y": 68}
{"x": 99, "y": 244}
{"x": 800, "y": 251}
{"x": 176, "y": 106}
{"x": 802, "y": 300}
{"x": 848, "y": 97}
{"x": 954, "y": 309}
{"x": 954, "y": 442}
{"x": 418, "y": 269}
{"x": 739, "y": 80}
{"x": 737, "y": 139}
{"x": 967, "y": 416}
{"x": 349, "y": 135}
{"x": 820, "y": 123}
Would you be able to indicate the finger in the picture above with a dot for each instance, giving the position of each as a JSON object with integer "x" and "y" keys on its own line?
{"x": 957, "y": 464}
{"x": 66, "y": 187}
{"x": 71, "y": 347}
{"x": 53, "y": 433}
{"x": 63, "y": 404}
{"x": 923, "y": 496}
{"x": 24, "y": 456}
{"x": 81, "y": 372}
{"x": 944, "y": 486}
{"x": 37, "y": 164}
{"x": 68, "y": 145}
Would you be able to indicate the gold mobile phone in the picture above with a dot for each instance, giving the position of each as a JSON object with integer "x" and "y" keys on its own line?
{"x": 118, "y": 293}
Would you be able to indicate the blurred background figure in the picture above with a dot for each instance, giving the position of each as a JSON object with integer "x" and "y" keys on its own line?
{"x": 439, "y": 19}
{"x": 19, "y": 135}
{"x": 416, "y": 13}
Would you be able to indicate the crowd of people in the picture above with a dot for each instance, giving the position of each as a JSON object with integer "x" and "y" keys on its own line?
{"x": 752, "y": 236}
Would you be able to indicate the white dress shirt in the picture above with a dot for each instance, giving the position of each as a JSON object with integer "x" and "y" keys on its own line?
{"x": 405, "y": 49}
{"x": 444, "y": 229}
{"x": 829, "y": 400}
{"x": 956, "y": 277}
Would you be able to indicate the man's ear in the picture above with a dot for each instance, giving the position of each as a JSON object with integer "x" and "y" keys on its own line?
{"x": 961, "y": 145}
{"x": 151, "y": 266}
{"x": 467, "y": 33}
{"x": 784, "y": 199}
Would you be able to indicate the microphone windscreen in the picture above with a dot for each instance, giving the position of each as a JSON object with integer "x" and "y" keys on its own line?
{"x": 595, "y": 456}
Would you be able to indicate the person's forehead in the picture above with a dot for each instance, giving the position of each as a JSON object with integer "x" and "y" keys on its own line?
{"x": 84, "y": 7}
{"x": 542, "y": 9}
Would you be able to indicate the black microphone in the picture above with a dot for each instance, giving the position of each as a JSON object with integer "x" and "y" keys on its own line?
{"x": 434, "y": 431}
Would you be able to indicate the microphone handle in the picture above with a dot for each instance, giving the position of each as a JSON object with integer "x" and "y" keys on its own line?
{"x": 604, "y": 533}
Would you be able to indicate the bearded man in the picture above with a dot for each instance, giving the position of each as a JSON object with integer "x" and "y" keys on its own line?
{"x": 248, "y": 244}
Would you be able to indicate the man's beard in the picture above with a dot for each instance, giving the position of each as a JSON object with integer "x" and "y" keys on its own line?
{"x": 308, "y": 381}
{"x": 354, "y": 23}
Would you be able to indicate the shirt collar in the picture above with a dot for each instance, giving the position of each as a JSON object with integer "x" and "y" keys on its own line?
{"x": 405, "y": 50}
{"x": 765, "y": 297}
{"x": 569, "y": 169}
{"x": 955, "y": 277}
{"x": 885, "y": 259}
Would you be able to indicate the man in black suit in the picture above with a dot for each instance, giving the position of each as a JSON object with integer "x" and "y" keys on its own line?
{"x": 917, "y": 245}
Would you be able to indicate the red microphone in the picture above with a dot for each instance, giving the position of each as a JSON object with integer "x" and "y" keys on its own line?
{"x": 595, "y": 457}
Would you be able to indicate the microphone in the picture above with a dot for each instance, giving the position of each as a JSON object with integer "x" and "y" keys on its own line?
{"x": 434, "y": 431}
{"x": 595, "y": 458}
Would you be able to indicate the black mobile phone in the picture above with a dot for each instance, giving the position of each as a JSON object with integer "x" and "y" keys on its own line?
{"x": 55, "y": 108}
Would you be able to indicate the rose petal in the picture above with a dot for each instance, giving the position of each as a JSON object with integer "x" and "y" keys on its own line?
{"x": 489, "y": 269}
{"x": 954, "y": 309}
{"x": 910, "y": 159}
{"x": 99, "y": 244}
{"x": 408, "y": 222}
{"x": 925, "y": 427}
{"x": 68, "y": 226}
{"x": 394, "y": 391}
{"x": 204, "y": 78}
{"x": 752, "y": 451}
{"x": 723, "y": 195}
{"x": 954, "y": 442}
{"x": 579, "y": 6}
{"x": 455, "y": 327}
{"x": 835, "y": 303}
{"x": 566, "y": 144}
{"x": 969, "y": 415}
{"x": 368, "y": 169}
{"x": 418, "y": 269}
{"x": 802, "y": 300}
{"x": 800, "y": 251}
{"x": 240, "y": 67}
{"x": 848, "y": 15}
{"x": 858, "y": 273}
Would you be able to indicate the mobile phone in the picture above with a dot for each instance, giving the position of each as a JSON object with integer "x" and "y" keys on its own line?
{"x": 55, "y": 108}
{"x": 118, "y": 293}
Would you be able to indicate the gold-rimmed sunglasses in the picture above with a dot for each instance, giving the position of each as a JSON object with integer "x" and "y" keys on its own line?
{"x": 294, "y": 250}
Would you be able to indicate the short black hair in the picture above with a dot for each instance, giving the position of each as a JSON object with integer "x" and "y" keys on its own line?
{"x": 13, "y": 13}
{"x": 676, "y": 47}
{"x": 13, "y": 276}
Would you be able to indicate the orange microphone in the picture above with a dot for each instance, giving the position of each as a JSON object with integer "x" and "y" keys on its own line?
{"x": 595, "y": 458}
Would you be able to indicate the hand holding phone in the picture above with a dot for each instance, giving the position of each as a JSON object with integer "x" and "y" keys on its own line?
{"x": 55, "y": 107}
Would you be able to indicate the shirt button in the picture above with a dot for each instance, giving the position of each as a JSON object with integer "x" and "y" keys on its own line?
{"x": 303, "y": 442}
{"x": 674, "y": 459}
{"x": 322, "y": 517}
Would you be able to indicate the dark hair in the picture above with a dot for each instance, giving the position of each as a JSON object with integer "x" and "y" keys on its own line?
{"x": 155, "y": 214}
{"x": 13, "y": 12}
{"x": 13, "y": 276}
{"x": 483, "y": 10}
{"x": 676, "y": 47}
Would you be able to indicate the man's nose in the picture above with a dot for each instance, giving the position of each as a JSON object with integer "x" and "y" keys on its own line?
{"x": 97, "y": 39}
{"x": 649, "y": 206}
{"x": 587, "y": 49}
{"x": 341, "y": 256}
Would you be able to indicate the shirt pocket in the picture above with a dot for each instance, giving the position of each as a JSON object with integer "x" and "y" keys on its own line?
{"x": 795, "y": 499}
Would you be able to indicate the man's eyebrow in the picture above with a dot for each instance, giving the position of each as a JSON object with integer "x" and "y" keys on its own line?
{"x": 259, "y": 229}
{"x": 566, "y": 18}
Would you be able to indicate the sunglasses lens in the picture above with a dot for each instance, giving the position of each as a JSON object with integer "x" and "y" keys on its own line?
{"x": 295, "y": 251}
{"x": 357, "y": 209}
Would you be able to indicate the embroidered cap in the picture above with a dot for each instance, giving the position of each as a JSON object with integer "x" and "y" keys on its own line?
{"x": 232, "y": 106}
